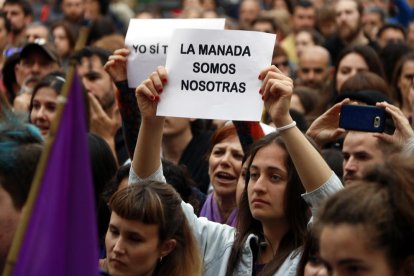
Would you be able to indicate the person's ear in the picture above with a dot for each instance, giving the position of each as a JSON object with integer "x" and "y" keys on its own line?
{"x": 407, "y": 267}
{"x": 167, "y": 247}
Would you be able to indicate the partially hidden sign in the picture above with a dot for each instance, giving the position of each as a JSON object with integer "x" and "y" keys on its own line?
{"x": 148, "y": 41}
{"x": 213, "y": 74}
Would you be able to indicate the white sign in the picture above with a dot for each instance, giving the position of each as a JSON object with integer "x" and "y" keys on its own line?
{"x": 148, "y": 41}
{"x": 213, "y": 74}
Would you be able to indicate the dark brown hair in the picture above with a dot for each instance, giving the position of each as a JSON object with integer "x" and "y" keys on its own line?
{"x": 397, "y": 74}
{"x": 20, "y": 150}
{"x": 68, "y": 32}
{"x": 308, "y": 97}
{"x": 310, "y": 252}
{"x": 54, "y": 80}
{"x": 359, "y": 4}
{"x": 296, "y": 213}
{"x": 366, "y": 81}
{"x": 383, "y": 204}
{"x": 370, "y": 57}
{"x": 152, "y": 202}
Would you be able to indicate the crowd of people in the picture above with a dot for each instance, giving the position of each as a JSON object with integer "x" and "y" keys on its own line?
{"x": 292, "y": 195}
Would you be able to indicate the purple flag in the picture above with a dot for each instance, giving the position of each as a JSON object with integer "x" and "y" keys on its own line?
{"x": 61, "y": 236}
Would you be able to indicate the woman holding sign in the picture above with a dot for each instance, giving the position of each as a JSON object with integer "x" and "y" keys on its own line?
{"x": 272, "y": 216}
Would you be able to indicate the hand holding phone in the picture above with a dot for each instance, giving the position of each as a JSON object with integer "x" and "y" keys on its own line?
{"x": 362, "y": 118}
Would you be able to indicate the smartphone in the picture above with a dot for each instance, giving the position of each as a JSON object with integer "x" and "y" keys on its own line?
{"x": 362, "y": 118}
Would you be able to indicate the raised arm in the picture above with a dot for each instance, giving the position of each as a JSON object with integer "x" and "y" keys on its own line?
{"x": 127, "y": 103}
{"x": 403, "y": 130}
{"x": 147, "y": 154}
{"x": 214, "y": 239}
{"x": 325, "y": 128}
{"x": 277, "y": 91}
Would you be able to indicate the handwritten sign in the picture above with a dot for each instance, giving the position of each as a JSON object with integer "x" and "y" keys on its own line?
{"x": 213, "y": 74}
{"x": 148, "y": 41}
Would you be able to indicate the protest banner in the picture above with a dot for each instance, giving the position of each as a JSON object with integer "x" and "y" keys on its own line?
{"x": 148, "y": 41}
{"x": 213, "y": 74}
{"x": 57, "y": 234}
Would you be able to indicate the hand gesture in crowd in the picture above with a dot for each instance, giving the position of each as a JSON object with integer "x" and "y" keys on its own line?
{"x": 276, "y": 92}
{"x": 116, "y": 64}
{"x": 325, "y": 128}
{"x": 148, "y": 92}
{"x": 148, "y": 149}
{"x": 103, "y": 124}
{"x": 403, "y": 130}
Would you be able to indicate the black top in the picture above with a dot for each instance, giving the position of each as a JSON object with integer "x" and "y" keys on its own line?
{"x": 195, "y": 158}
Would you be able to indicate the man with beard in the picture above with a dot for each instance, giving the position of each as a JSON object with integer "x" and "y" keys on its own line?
{"x": 390, "y": 34}
{"x": 37, "y": 59}
{"x": 248, "y": 12}
{"x": 303, "y": 17}
{"x": 362, "y": 150}
{"x": 5, "y": 30}
{"x": 73, "y": 13}
{"x": 314, "y": 71}
{"x": 349, "y": 27}
{"x": 20, "y": 14}
{"x": 105, "y": 120}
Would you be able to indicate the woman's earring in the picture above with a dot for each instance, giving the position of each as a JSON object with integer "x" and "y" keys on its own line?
{"x": 160, "y": 258}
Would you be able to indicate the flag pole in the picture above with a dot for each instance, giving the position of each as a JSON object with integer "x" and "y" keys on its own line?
{"x": 37, "y": 180}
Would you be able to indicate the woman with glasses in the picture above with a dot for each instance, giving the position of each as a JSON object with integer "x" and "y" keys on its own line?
{"x": 280, "y": 59}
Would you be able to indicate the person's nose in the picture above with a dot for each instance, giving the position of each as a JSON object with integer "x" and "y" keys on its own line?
{"x": 350, "y": 165}
{"x": 87, "y": 85}
{"x": 42, "y": 112}
{"x": 35, "y": 69}
{"x": 353, "y": 72}
{"x": 342, "y": 17}
{"x": 225, "y": 159}
{"x": 39, "y": 114}
{"x": 311, "y": 75}
{"x": 119, "y": 246}
{"x": 322, "y": 271}
{"x": 259, "y": 185}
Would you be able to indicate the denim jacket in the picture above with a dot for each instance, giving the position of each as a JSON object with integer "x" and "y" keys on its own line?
{"x": 216, "y": 240}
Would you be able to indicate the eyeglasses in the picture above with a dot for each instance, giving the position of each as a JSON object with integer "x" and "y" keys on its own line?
{"x": 11, "y": 51}
{"x": 281, "y": 64}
